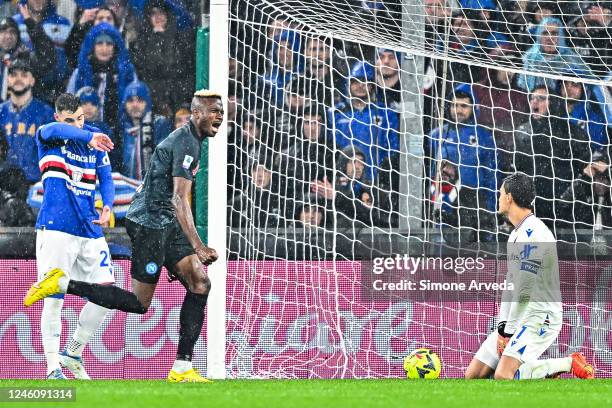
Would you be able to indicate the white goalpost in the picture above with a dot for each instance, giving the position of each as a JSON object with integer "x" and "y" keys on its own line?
{"x": 217, "y": 189}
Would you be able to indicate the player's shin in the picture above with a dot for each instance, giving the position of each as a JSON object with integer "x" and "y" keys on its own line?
{"x": 90, "y": 318}
{"x": 51, "y": 330}
{"x": 108, "y": 296}
{"x": 191, "y": 320}
{"x": 543, "y": 368}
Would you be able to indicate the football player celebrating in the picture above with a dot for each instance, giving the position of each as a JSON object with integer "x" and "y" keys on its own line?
{"x": 160, "y": 225}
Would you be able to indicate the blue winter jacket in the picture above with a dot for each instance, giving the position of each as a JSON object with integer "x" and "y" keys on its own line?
{"x": 471, "y": 148}
{"x": 20, "y": 130}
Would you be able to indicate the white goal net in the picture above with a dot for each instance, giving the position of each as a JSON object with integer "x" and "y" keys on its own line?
{"x": 365, "y": 129}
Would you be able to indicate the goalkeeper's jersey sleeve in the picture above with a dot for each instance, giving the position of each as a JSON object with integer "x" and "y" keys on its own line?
{"x": 533, "y": 268}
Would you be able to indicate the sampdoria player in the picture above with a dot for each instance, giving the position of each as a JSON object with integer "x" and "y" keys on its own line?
{"x": 160, "y": 225}
{"x": 68, "y": 233}
{"x": 529, "y": 320}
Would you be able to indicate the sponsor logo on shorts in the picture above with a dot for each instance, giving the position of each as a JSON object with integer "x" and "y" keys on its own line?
{"x": 151, "y": 268}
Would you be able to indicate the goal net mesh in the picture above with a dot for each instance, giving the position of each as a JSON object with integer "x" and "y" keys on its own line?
{"x": 363, "y": 129}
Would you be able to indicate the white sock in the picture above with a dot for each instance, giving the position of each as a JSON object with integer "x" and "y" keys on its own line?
{"x": 51, "y": 330}
{"x": 544, "y": 368}
{"x": 180, "y": 366}
{"x": 90, "y": 319}
{"x": 63, "y": 283}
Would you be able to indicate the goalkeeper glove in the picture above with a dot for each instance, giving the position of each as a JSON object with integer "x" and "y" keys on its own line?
{"x": 502, "y": 337}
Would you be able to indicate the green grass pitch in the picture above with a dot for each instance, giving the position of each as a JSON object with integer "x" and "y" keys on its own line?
{"x": 330, "y": 393}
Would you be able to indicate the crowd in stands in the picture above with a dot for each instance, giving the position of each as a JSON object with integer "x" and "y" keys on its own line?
{"x": 132, "y": 64}
{"x": 314, "y": 125}
{"x": 479, "y": 124}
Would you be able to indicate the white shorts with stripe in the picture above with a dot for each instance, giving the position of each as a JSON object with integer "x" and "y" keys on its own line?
{"x": 527, "y": 344}
{"x": 83, "y": 259}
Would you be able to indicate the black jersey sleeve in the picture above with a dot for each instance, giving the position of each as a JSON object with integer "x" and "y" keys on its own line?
{"x": 185, "y": 158}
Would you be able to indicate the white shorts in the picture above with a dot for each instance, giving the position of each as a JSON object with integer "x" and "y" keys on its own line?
{"x": 527, "y": 344}
{"x": 83, "y": 259}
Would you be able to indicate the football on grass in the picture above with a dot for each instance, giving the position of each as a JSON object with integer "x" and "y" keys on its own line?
{"x": 422, "y": 363}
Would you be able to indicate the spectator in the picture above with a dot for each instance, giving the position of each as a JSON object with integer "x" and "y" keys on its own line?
{"x": 260, "y": 207}
{"x": 388, "y": 78}
{"x": 250, "y": 147}
{"x": 584, "y": 114}
{"x": 591, "y": 37}
{"x": 12, "y": 179}
{"x": 141, "y": 130}
{"x": 588, "y": 202}
{"x": 307, "y": 157}
{"x": 14, "y": 212}
{"x": 363, "y": 123}
{"x": 20, "y": 117}
{"x": 183, "y": 114}
{"x": 464, "y": 44}
{"x": 345, "y": 196}
{"x": 105, "y": 65}
{"x": 298, "y": 96}
{"x": 311, "y": 213}
{"x": 56, "y": 28}
{"x": 127, "y": 21}
{"x": 87, "y": 18}
{"x": 466, "y": 149}
{"x": 90, "y": 102}
{"x": 503, "y": 106}
{"x": 550, "y": 54}
{"x": 538, "y": 11}
{"x": 550, "y": 149}
{"x": 515, "y": 20}
{"x": 184, "y": 21}
{"x": 286, "y": 65}
{"x": 318, "y": 62}
{"x": 490, "y": 32}
{"x": 164, "y": 57}
{"x": 42, "y": 59}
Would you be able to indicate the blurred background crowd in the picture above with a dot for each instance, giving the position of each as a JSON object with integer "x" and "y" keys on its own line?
{"x": 297, "y": 98}
{"x": 132, "y": 63}
{"x": 314, "y": 124}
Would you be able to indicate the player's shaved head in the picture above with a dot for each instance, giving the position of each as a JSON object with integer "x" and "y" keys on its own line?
{"x": 207, "y": 112}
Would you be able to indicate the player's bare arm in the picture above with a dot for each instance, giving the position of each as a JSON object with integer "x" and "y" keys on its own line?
{"x": 180, "y": 201}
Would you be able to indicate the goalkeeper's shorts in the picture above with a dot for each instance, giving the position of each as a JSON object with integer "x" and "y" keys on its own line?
{"x": 527, "y": 344}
